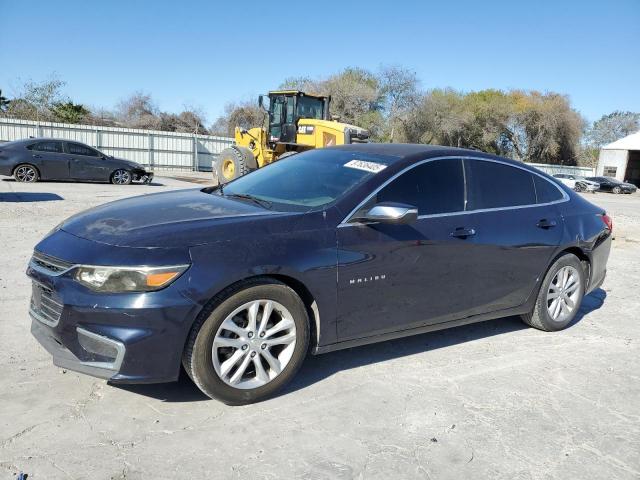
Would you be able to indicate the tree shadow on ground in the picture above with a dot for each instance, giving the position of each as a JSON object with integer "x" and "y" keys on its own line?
{"x": 317, "y": 368}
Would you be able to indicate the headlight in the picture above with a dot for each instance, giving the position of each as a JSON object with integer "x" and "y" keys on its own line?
{"x": 127, "y": 279}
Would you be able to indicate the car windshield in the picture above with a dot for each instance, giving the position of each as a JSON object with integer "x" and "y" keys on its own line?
{"x": 613, "y": 180}
{"x": 308, "y": 180}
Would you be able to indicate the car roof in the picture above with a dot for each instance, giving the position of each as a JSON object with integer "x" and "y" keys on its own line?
{"x": 40, "y": 139}
{"x": 406, "y": 153}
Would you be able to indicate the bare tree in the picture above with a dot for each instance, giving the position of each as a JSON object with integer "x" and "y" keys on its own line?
{"x": 612, "y": 127}
{"x": 399, "y": 90}
{"x": 245, "y": 115}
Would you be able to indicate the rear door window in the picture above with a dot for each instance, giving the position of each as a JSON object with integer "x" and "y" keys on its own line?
{"x": 497, "y": 185}
{"x": 433, "y": 187}
{"x": 79, "y": 149}
{"x": 52, "y": 147}
{"x": 546, "y": 192}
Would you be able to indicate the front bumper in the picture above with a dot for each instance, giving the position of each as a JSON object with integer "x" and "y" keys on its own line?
{"x": 100, "y": 336}
{"x": 124, "y": 337}
{"x": 106, "y": 368}
{"x": 142, "y": 177}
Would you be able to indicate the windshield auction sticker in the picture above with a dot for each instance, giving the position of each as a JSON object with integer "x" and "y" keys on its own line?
{"x": 372, "y": 167}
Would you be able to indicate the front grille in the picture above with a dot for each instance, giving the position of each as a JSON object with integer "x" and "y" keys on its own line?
{"x": 49, "y": 263}
{"x": 45, "y": 304}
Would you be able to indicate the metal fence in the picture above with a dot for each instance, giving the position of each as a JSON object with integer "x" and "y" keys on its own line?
{"x": 155, "y": 149}
{"x": 553, "y": 169}
{"x": 159, "y": 150}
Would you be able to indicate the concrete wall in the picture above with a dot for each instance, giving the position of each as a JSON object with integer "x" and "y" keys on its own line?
{"x": 613, "y": 158}
{"x": 155, "y": 149}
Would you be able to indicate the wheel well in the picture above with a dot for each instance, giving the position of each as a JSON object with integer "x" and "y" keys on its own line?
{"x": 584, "y": 260}
{"x": 295, "y": 285}
{"x": 26, "y": 163}
{"x": 309, "y": 303}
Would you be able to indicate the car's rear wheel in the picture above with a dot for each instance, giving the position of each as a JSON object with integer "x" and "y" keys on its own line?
{"x": 616, "y": 190}
{"x": 248, "y": 343}
{"x": 26, "y": 173}
{"x": 560, "y": 295}
{"x": 579, "y": 187}
{"x": 121, "y": 177}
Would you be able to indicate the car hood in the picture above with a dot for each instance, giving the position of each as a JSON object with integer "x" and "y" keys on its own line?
{"x": 129, "y": 163}
{"x": 180, "y": 218}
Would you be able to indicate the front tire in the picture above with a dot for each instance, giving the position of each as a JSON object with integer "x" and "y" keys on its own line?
{"x": 560, "y": 295}
{"x": 121, "y": 177}
{"x": 616, "y": 190}
{"x": 232, "y": 163}
{"x": 26, "y": 173}
{"x": 248, "y": 342}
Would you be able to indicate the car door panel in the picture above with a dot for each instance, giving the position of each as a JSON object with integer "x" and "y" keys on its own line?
{"x": 86, "y": 167}
{"x": 510, "y": 253}
{"x": 518, "y": 229}
{"x": 395, "y": 277}
{"x": 50, "y": 160}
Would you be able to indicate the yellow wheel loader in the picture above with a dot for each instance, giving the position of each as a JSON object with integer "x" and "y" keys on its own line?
{"x": 297, "y": 122}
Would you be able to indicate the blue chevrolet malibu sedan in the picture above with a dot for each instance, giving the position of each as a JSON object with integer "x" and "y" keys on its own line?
{"x": 324, "y": 250}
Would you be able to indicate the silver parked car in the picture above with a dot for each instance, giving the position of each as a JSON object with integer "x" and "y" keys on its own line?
{"x": 577, "y": 182}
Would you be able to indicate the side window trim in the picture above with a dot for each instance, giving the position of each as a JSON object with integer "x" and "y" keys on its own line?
{"x": 34, "y": 146}
{"x": 565, "y": 198}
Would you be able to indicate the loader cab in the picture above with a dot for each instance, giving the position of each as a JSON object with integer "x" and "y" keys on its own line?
{"x": 287, "y": 107}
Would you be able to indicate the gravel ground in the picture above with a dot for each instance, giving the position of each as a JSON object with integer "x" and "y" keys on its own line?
{"x": 492, "y": 400}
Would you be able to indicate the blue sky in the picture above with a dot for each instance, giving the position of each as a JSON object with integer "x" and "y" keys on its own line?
{"x": 208, "y": 53}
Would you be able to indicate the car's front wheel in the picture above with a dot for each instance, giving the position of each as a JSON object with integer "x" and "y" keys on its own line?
{"x": 248, "y": 343}
{"x": 121, "y": 177}
{"x": 616, "y": 190}
{"x": 560, "y": 295}
{"x": 26, "y": 173}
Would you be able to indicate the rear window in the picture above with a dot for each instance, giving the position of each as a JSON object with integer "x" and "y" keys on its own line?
{"x": 497, "y": 185}
{"x": 54, "y": 147}
{"x": 545, "y": 191}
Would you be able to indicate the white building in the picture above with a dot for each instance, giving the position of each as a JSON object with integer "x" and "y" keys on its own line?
{"x": 621, "y": 159}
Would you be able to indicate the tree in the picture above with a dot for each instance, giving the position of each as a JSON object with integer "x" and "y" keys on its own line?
{"x": 139, "y": 111}
{"x": 245, "y": 115}
{"x": 399, "y": 92}
{"x": 527, "y": 126}
{"x": 69, "y": 112}
{"x": 36, "y": 99}
{"x": 612, "y": 127}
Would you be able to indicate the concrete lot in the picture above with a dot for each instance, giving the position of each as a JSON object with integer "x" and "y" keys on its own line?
{"x": 493, "y": 400}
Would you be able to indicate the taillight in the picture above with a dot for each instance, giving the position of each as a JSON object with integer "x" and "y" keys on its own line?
{"x": 606, "y": 219}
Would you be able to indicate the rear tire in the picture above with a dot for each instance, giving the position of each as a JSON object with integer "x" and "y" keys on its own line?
{"x": 560, "y": 295}
{"x": 232, "y": 163}
{"x": 237, "y": 362}
{"x": 26, "y": 173}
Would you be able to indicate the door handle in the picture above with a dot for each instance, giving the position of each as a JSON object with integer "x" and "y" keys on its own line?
{"x": 546, "y": 224}
{"x": 37, "y": 156}
{"x": 463, "y": 232}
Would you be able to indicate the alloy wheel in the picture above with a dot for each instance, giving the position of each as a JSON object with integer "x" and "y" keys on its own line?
{"x": 26, "y": 173}
{"x": 121, "y": 177}
{"x": 563, "y": 294}
{"x": 254, "y": 344}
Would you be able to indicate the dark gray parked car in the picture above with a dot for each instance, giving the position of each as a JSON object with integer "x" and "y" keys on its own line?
{"x": 36, "y": 159}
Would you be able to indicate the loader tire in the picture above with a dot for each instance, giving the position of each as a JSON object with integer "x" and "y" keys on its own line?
{"x": 233, "y": 162}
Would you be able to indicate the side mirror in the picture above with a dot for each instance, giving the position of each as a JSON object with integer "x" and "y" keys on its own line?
{"x": 389, "y": 212}
{"x": 260, "y": 101}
